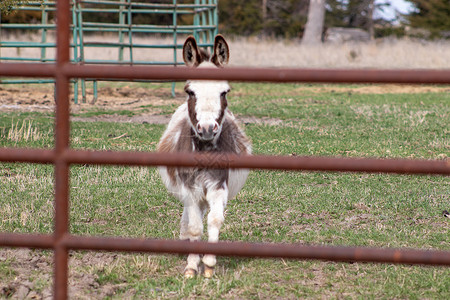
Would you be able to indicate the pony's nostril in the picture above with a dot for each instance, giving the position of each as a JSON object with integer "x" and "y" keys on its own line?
{"x": 207, "y": 131}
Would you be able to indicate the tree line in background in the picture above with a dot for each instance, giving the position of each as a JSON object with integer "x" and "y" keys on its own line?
{"x": 288, "y": 18}
{"x": 293, "y": 18}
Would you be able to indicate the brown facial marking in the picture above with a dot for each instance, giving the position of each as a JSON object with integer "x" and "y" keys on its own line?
{"x": 191, "y": 103}
{"x": 223, "y": 107}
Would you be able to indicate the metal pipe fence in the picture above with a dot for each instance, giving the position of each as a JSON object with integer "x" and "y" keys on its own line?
{"x": 62, "y": 156}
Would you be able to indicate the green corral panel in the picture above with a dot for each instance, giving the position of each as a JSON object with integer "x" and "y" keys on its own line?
{"x": 119, "y": 26}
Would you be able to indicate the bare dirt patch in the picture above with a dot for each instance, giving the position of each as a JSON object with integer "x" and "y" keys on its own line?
{"x": 132, "y": 98}
{"x": 25, "y": 273}
{"x": 28, "y": 274}
{"x": 41, "y": 98}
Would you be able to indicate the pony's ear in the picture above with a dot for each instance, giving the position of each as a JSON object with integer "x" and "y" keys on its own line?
{"x": 221, "y": 53}
{"x": 191, "y": 53}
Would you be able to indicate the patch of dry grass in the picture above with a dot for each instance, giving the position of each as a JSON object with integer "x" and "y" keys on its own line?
{"x": 386, "y": 53}
{"x": 21, "y": 132}
{"x": 378, "y": 54}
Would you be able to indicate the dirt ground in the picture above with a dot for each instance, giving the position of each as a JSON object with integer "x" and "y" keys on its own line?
{"x": 33, "y": 275}
{"x": 31, "y": 271}
{"x": 41, "y": 99}
{"x": 26, "y": 98}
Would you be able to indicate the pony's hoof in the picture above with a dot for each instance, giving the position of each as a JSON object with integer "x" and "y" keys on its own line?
{"x": 208, "y": 272}
{"x": 189, "y": 273}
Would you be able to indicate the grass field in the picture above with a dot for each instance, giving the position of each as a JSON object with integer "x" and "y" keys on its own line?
{"x": 314, "y": 208}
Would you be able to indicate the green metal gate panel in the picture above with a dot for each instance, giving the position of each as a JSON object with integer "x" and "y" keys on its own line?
{"x": 204, "y": 27}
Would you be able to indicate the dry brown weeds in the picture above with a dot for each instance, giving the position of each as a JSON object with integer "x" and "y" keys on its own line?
{"x": 255, "y": 52}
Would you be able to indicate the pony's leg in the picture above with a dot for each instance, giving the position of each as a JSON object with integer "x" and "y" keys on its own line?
{"x": 193, "y": 229}
{"x": 217, "y": 200}
{"x": 184, "y": 225}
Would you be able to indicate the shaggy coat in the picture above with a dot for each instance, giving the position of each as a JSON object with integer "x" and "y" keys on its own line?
{"x": 204, "y": 124}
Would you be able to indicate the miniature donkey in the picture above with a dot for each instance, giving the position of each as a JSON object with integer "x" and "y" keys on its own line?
{"x": 204, "y": 124}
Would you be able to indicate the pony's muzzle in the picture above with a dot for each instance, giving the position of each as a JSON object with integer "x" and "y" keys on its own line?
{"x": 208, "y": 131}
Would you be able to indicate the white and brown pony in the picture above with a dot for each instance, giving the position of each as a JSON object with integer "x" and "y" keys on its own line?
{"x": 204, "y": 124}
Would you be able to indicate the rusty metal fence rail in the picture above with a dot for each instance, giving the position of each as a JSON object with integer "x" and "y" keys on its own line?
{"x": 62, "y": 156}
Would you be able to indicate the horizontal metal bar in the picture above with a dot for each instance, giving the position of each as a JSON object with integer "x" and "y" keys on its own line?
{"x": 27, "y": 59}
{"x": 212, "y": 160}
{"x": 97, "y": 61}
{"x": 26, "y": 44}
{"x": 26, "y": 155}
{"x": 135, "y": 11}
{"x": 20, "y": 81}
{"x": 180, "y": 11}
{"x": 31, "y": 8}
{"x": 117, "y": 3}
{"x": 233, "y": 74}
{"x": 263, "y": 74}
{"x": 399, "y": 166}
{"x": 28, "y": 26}
{"x": 137, "y": 26}
{"x": 239, "y": 249}
{"x": 178, "y": 46}
{"x": 150, "y": 5}
{"x": 51, "y": 6}
{"x": 342, "y": 254}
{"x": 134, "y": 62}
{"x": 237, "y": 74}
{"x": 172, "y": 30}
{"x": 40, "y": 241}
{"x": 27, "y": 69}
{"x": 139, "y": 30}
{"x": 38, "y": 3}
{"x": 112, "y": 44}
